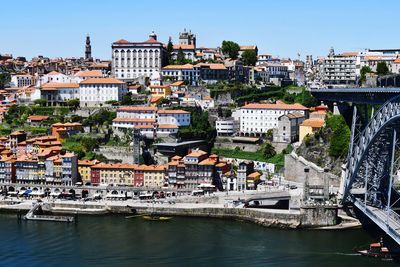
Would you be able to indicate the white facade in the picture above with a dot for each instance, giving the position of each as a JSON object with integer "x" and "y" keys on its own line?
{"x": 94, "y": 92}
{"x": 21, "y": 80}
{"x": 340, "y": 70}
{"x": 257, "y": 119}
{"x": 54, "y": 77}
{"x": 226, "y": 127}
{"x": 133, "y": 60}
{"x": 175, "y": 117}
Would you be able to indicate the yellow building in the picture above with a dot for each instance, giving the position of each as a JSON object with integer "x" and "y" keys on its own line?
{"x": 310, "y": 126}
{"x": 120, "y": 173}
{"x": 84, "y": 168}
{"x": 160, "y": 90}
{"x": 153, "y": 175}
{"x": 252, "y": 180}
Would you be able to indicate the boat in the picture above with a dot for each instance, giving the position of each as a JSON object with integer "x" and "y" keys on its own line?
{"x": 376, "y": 250}
{"x": 154, "y": 217}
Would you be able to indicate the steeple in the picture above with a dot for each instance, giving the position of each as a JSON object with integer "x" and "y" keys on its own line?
{"x": 88, "y": 48}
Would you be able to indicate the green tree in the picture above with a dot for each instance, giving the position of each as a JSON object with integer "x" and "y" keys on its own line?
{"x": 268, "y": 150}
{"x": 382, "y": 68}
{"x": 170, "y": 49}
{"x": 339, "y": 142}
{"x": 40, "y": 102}
{"x": 5, "y": 78}
{"x": 89, "y": 143}
{"x": 73, "y": 103}
{"x": 270, "y": 134}
{"x": 127, "y": 99}
{"x": 230, "y": 49}
{"x": 363, "y": 73}
{"x": 180, "y": 58}
{"x": 249, "y": 57}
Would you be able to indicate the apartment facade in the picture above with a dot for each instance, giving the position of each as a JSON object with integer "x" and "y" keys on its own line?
{"x": 96, "y": 91}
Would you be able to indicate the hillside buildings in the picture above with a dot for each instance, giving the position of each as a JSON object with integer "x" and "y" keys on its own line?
{"x": 97, "y": 91}
{"x": 257, "y": 119}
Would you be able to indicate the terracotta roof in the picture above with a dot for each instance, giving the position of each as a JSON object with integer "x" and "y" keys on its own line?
{"x": 167, "y": 126}
{"x": 155, "y": 99}
{"x": 159, "y": 86}
{"x": 254, "y": 175}
{"x": 295, "y": 106}
{"x": 349, "y": 54}
{"x": 136, "y": 108}
{"x": 197, "y": 153}
{"x": 315, "y": 123}
{"x": 212, "y": 66}
{"x": 122, "y": 166}
{"x": 178, "y": 83}
{"x": 183, "y": 46}
{"x": 172, "y": 111}
{"x": 53, "y": 73}
{"x": 294, "y": 115}
{"x": 37, "y": 118}
{"x": 176, "y": 157}
{"x": 86, "y": 162}
{"x": 151, "y": 167}
{"x": 56, "y": 86}
{"x": 133, "y": 120}
{"x": 102, "y": 81}
{"x": 207, "y": 162}
{"x": 397, "y": 61}
{"x": 178, "y": 67}
{"x": 89, "y": 73}
{"x": 248, "y": 47}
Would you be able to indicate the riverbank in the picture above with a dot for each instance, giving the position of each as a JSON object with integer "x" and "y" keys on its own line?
{"x": 286, "y": 219}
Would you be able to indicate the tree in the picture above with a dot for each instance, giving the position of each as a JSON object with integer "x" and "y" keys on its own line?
{"x": 170, "y": 50}
{"x": 268, "y": 150}
{"x": 339, "y": 142}
{"x": 73, "y": 103}
{"x": 363, "y": 73}
{"x": 180, "y": 58}
{"x": 5, "y": 78}
{"x": 230, "y": 49}
{"x": 127, "y": 99}
{"x": 89, "y": 143}
{"x": 249, "y": 57}
{"x": 382, "y": 68}
{"x": 270, "y": 134}
{"x": 40, "y": 102}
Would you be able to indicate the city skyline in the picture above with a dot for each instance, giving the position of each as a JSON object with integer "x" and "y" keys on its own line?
{"x": 283, "y": 29}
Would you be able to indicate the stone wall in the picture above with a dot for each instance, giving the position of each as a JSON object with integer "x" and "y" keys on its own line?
{"x": 117, "y": 153}
{"x": 317, "y": 216}
{"x": 294, "y": 171}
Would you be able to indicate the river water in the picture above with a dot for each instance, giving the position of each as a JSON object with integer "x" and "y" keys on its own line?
{"x": 116, "y": 241}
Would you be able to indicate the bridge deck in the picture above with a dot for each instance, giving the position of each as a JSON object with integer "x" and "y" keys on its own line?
{"x": 388, "y": 222}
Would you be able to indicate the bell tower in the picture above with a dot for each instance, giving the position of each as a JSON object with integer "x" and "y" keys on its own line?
{"x": 88, "y": 48}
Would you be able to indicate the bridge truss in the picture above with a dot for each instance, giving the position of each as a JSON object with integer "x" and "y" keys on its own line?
{"x": 371, "y": 166}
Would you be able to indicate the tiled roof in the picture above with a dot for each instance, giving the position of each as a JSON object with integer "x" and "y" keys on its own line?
{"x": 89, "y": 73}
{"x": 183, "y": 47}
{"x": 178, "y": 67}
{"x": 315, "y": 123}
{"x": 55, "y": 86}
{"x": 133, "y": 120}
{"x": 197, "y": 153}
{"x": 136, "y": 108}
{"x": 37, "y": 117}
{"x": 172, "y": 111}
{"x": 167, "y": 126}
{"x": 295, "y": 106}
{"x": 102, "y": 81}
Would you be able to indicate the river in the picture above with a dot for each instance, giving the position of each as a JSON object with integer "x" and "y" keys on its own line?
{"x": 116, "y": 241}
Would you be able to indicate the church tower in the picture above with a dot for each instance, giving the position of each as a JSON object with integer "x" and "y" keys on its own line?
{"x": 88, "y": 49}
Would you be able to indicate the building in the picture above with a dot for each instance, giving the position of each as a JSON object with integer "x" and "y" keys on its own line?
{"x": 263, "y": 58}
{"x": 227, "y": 127}
{"x": 96, "y": 91}
{"x": 248, "y": 47}
{"x": 288, "y": 128}
{"x": 187, "y": 38}
{"x": 21, "y": 80}
{"x": 211, "y": 73}
{"x": 252, "y": 180}
{"x": 84, "y": 168}
{"x": 310, "y": 126}
{"x": 131, "y": 60}
{"x": 153, "y": 175}
{"x": 57, "y": 94}
{"x": 188, "y": 73}
{"x": 69, "y": 166}
{"x": 109, "y": 173}
{"x": 244, "y": 169}
{"x": 160, "y": 91}
{"x": 188, "y": 51}
{"x": 257, "y": 119}
{"x": 177, "y": 117}
{"x": 340, "y": 70}
{"x": 88, "y": 74}
{"x": 36, "y": 120}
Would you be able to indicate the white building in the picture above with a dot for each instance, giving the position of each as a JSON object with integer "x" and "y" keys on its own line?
{"x": 21, "y": 80}
{"x": 96, "y": 91}
{"x": 257, "y": 119}
{"x": 176, "y": 117}
{"x": 263, "y": 58}
{"x": 187, "y": 49}
{"x": 226, "y": 127}
{"x": 54, "y": 77}
{"x": 59, "y": 93}
{"x": 340, "y": 70}
{"x": 132, "y": 60}
{"x": 186, "y": 72}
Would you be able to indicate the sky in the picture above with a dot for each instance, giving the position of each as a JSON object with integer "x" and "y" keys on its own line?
{"x": 283, "y": 28}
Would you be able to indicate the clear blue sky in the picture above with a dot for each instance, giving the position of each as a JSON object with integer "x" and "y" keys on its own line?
{"x": 283, "y": 28}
